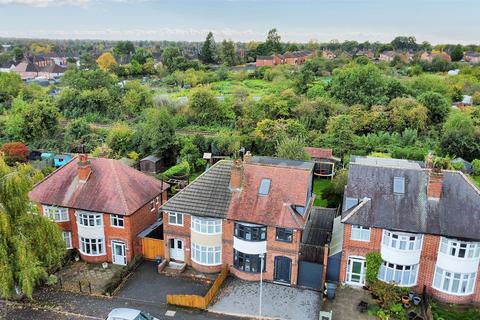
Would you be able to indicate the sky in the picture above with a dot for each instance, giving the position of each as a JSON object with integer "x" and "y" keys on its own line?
{"x": 436, "y": 21}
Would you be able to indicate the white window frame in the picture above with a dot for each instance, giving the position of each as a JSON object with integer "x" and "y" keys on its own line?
{"x": 57, "y": 214}
{"x": 400, "y": 180}
{"x": 83, "y": 216}
{"x": 173, "y": 218}
{"x": 115, "y": 219}
{"x": 84, "y": 242}
{"x": 448, "y": 278}
{"x": 402, "y": 241}
{"x": 206, "y": 225}
{"x": 393, "y": 269}
{"x": 67, "y": 237}
{"x": 206, "y": 255}
{"x": 452, "y": 247}
{"x": 360, "y": 233}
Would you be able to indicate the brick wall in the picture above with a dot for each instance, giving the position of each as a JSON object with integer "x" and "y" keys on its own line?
{"x": 177, "y": 232}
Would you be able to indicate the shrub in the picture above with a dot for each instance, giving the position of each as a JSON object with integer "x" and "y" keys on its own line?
{"x": 121, "y": 274}
{"x": 373, "y": 260}
{"x": 476, "y": 167}
{"x": 14, "y": 152}
{"x": 183, "y": 168}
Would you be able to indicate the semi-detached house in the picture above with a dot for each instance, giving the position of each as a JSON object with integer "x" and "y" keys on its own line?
{"x": 248, "y": 215}
{"x": 101, "y": 205}
{"x": 424, "y": 222}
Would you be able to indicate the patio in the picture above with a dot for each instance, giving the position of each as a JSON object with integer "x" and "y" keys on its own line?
{"x": 344, "y": 306}
{"x": 79, "y": 276}
{"x": 241, "y": 298}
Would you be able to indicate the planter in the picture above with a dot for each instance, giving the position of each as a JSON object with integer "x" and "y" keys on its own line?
{"x": 77, "y": 258}
{"x": 405, "y": 299}
{"x": 407, "y": 305}
{"x": 104, "y": 265}
{"x": 411, "y": 294}
{"x": 416, "y": 300}
{"x": 412, "y": 315}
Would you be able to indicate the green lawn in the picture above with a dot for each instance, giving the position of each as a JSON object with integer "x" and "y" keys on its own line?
{"x": 318, "y": 186}
{"x": 454, "y": 312}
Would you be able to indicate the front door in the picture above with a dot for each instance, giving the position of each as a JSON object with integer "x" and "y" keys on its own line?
{"x": 356, "y": 271}
{"x": 283, "y": 269}
{"x": 118, "y": 253}
{"x": 176, "y": 250}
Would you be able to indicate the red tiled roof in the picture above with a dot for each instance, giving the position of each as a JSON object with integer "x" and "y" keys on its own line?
{"x": 111, "y": 188}
{"x": 319, "y": 153}
{"x": 289, "y": 186}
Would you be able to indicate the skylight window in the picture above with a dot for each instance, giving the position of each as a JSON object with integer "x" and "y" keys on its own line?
{"x": 399, "y": 184}
{"x": 264, "y": 187}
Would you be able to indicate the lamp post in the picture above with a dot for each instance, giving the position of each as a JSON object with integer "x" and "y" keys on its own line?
{"x": 261, "y": 282}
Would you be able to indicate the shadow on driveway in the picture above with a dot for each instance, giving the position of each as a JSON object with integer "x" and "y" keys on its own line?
{"x": 147, "y": 285}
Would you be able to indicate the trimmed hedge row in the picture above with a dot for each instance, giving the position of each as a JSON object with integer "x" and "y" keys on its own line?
{"x": 118, "y": 276}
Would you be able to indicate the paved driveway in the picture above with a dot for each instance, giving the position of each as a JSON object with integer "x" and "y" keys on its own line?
{"x": 344, "y": 306}
{"x": 241, "y": 298}
{"x": 148, "y": 286}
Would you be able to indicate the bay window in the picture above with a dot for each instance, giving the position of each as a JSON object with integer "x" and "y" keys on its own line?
{"x": 360, "y": 233}
{"x": 248, "y": 262}
{"x": 250, "y": 232}
{"x": 92, "y": 247}
{"x": 206, "y": 226}
{"x": 87, "y": 219}
{"x": 401, "y": 275}
{"x": 460, "y": 249}
{"x": 454, "y": 282}
{"x": 206, "y": 255}
{"x": 402, "y": 241}
{"x": 56, "y": 214}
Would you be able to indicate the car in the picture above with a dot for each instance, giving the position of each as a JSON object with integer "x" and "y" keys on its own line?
{"x": 129, "y": 314}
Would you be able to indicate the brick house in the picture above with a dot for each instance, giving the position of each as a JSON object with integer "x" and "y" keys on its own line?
{"x": 425, "y": 224}
{"x": 291, "y": 58}
{"x": 387, "y": 56}
{"x": 243, "y": 214}
{"x": 471, "y": 56}
{"x": 101, "y": 205}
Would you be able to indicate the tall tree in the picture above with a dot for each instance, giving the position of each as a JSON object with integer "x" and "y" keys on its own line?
{"x": 457, "y": 53}
{"x": 30, "y": 244}
{"x": 292, "y": 149}
{"x": 156, "y": 132}
{"x": 273, "y": 41}
{"x": 460, "y": 137}
{"x": 208, "y": 53}
{"x": 106, "y": 61}
{"x": 229, "y": 55}
{"x": 169, "y": 56}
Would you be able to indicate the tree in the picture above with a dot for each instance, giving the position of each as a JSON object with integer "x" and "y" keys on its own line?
{"x": 229, "y": 56}
{"x": 136, "y": 99}
{"x": 14, "y": 152}
{"x": 268, "y": 133}
{"x": 156, "y": 132}
{"x": 35, "y": 121}
{"x": 124, "y": 48}
{"x": 106, "y": 61}
{"x": 10, "y": 85}
{"x": 457, "y": 53}
{"x": 272, "y": 43}
{"x": 208, "y": 52}
{"x": 141, "y": 55}
{"x": 438, "y": 107}
{"x": 79, "y": 136}
{"x": 459, "y": 136}
{"x": 292, "y": 149}
{"x": 87, "y": 62}
{"x": 403, "y": 43}
{"x": 340, "y": 135}
{"x": 207, "y": 109}
{"x": 168, "y": 57}
{"x": 30, "y": 244}
{"x": 407, "y": 113}
{"x": 359, "y": 84}
{"x": 120, "y": 140}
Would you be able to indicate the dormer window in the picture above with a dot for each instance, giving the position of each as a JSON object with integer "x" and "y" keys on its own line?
{"x": 264, "y": 187}
{"x": 399, "y": 185}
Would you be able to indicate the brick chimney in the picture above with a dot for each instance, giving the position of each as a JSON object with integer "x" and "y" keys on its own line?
{"x": 84, "y": 168}
{"x": 435, "y": 182}
{"x": 236, "y": 176}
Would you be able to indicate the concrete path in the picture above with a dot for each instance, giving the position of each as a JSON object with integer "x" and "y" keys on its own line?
{"x": 238, "y": 297}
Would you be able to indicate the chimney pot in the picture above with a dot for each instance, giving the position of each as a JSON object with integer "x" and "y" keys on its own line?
{"x": 247, "y": 157}
{"x": 84, "y": 168}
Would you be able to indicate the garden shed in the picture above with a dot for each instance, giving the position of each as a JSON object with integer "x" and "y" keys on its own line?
{"x": 151, "y": 164}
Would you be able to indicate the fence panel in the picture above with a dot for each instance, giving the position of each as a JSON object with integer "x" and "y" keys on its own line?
{"x": 196, "y": 301}
{"x": 152, "y": 248}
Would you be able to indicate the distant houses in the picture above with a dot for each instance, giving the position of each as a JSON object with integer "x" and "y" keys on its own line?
{"x": 33, "y": 67}
{"x": 471, "y": 56}
{"x": 291, "y": 58}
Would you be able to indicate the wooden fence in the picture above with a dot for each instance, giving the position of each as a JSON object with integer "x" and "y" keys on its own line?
{"x": 196, "y": 301}
{"x": 153, "y": 248}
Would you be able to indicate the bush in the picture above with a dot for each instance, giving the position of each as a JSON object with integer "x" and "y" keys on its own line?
{"x": 373, "y": 260}
{"x": 181, "y": 169}
{"x": 476, "y": 167}
{"x": 14, "y": 152}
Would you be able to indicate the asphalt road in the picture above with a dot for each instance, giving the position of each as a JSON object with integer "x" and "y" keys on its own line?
{"x": 56, "y": 305}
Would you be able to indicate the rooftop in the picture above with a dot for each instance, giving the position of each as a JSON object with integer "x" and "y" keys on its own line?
{"x": 271, "y": 161}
